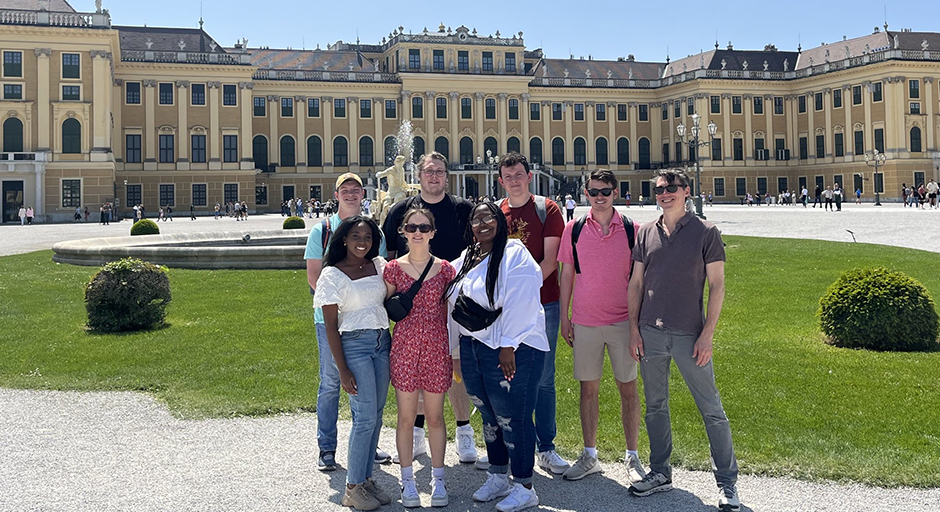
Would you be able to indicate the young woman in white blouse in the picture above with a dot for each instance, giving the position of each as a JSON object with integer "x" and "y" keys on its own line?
{"x": 351, "y": 292}
{"x": 497, "y": 317}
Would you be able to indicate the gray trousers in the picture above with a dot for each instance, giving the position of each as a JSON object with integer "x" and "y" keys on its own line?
{"x": 661, "y": 346}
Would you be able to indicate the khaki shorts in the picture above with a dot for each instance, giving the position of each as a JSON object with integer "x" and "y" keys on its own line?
{"x": 589, "y": 343}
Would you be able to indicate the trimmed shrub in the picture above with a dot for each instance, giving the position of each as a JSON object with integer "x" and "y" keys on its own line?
{"x": 877, "y": 309}
{"x": 127, "y": 295}
{"x": 145, "y": 227}
{"x": 294, "y": 223}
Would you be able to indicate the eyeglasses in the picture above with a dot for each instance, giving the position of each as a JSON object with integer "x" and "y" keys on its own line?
{"x": 489, "y": 219}
{"x": 413, "y": 228}
{"x": 430, "y": 172}
{"x": 606, "y": 191}
{"x": 668, "y": 188}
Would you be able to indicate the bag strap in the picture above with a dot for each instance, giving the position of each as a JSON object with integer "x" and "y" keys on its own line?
{"x": 416, "y": 286}
{"x": 575, "y": 234}
{"x": 541, "y": 206}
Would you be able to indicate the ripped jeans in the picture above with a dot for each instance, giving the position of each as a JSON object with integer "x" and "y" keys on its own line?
{"x": 505, "y": 406}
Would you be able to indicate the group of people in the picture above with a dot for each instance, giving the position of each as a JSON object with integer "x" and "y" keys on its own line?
{"x": 26, "y": 214}
{"x": 487, "y": 302}
{"x": 916, "y": 197}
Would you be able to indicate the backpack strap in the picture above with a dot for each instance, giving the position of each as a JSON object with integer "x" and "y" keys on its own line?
{"x": 541, "y": 206}
{"x": 325, "y": 233}
{"x": 575, "y": 234}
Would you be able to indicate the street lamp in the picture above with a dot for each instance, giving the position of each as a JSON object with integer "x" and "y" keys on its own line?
{"x": 121, "y": 217}
{"x": 694, "y": 144}
{"x": 876, "y": 160}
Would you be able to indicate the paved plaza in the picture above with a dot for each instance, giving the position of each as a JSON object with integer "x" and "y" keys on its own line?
{"x": 69, "y": 451}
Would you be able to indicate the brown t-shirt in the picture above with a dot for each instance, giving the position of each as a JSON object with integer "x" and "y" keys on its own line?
{"x": 525, "y": 225}
{"x": 674, "y": 272}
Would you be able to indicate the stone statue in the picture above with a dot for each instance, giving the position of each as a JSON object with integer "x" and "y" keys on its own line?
{"x": 848, "y": 53}
{"x": 587, "y": 73}
{"x": 786, "y": 65}
{"x": 826, "y": 57}
{"x": 867, "y": 49}
{"x": 398, "y": 188}
{"x": 896, "y": 43}
{"x": 566, "y": 73}
{"x": 765, "y": 65}
{"x": 924, "y": 45}
{"x": 723, "y": 63}
{"x": 630, "y": 73}
{"x": 744, "y": 65}
{"x": 701, "y": 61}
{"x": 98, "y": 6}
{"x": 609, "y": 74}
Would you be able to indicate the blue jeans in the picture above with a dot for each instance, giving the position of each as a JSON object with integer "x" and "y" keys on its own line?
{"x": 366, "y": 353}
{"x": 545, "y": 428}
{"x": 327, "y": 394}
{"x": 505, "y": 407}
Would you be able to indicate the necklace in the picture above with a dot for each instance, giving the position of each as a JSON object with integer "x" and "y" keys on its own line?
{"x": 351, "y": 264}
{"x": 422, "y": 262}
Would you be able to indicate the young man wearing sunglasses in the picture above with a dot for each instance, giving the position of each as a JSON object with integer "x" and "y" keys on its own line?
{"x": 537, "y": 221}
{"x": 673, "y": 258}
{"x": 602, "y": 270}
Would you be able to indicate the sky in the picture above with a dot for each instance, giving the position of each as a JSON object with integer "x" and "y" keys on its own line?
{"x": 602, "y": 29}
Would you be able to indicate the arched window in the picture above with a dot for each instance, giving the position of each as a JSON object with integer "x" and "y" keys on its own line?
{"x": 580, "y": 151}
{"x": 558, "y": 151}
{"x": 366, "y": 153}
{"x": 418, "y": 148}
{"x": 600, "y": 148}
{"x": 915, "y": 140}
{"x": 288, "y": 157}
{"x": 490, "y": 144}
{"x": 644, "y": 160}
{"x": 71, "y": 136}
{"x": 535, "y": 150}
{"x": 513, "y": 145}
{"x": 623, "y": 151}
{"x": 391, "y": 150}
{"x": 314, "y": 151}
{"x": 259, "y": 152}
{"x": 466, "y": 150}
{"x": 340, "y": 152}
{"x": 12, "y": 136}
{"x": 442, "y": 146}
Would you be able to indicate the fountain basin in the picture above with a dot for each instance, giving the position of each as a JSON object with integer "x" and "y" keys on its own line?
{"x": 271, "y": 249}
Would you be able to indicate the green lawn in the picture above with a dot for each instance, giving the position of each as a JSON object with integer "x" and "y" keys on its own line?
{"x": 242, "y": 343}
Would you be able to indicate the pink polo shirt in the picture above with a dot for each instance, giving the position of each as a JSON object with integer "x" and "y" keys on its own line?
{"x": 600, "y": 290}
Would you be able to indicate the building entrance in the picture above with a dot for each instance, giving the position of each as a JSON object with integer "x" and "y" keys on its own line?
{"x": 12, "y": 200}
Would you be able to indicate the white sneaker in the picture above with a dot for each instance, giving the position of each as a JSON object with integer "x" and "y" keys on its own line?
{"x": 496, "y": 486}
{"x": 419, "y": 446}
{"x": 551, "y": 461}
{"x": 466, "y": 447}
{"x": 409, "y": 494}
{"x": 438, "y": 493}
{"x": 520, "y": 498}
{"x": 635, "y": 471}
{"x": 483, "y": 463}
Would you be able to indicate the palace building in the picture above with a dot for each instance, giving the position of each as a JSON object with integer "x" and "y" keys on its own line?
{"x": 93, "y": 113}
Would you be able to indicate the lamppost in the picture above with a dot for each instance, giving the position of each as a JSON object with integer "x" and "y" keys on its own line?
{"x": 876, "y": 160}
{"x": 121, "y": 217}
{"x": 489, "y": 174}
{"x": 694, "y": 145}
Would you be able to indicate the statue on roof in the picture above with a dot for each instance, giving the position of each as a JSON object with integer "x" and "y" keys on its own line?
{"x": 848, "y": 53}
{"x": 867, "y": 48}
{"x": 566, "y": 72}
{"x": 630, "y": 73}
{"x": 786, "y": 65}
{"x": 723, "y": 63}
{"x": 587, "y": 73}
{"x": 826, "y": 57}
{"x": 98, "y": 6}
{"x": 701, "y": 61}
{"x": 896, "y": 43}
{"x": 609, "y": 74}
{"x": 925, "y": 45}
{"x": 744, "y": 65}
{"x": 765, "y": 65}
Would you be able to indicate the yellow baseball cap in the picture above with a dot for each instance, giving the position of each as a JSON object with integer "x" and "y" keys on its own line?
{"x": 346, "y": 176}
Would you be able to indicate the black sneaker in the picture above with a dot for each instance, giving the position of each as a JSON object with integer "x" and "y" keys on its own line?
{"x": 381, "y": 457}
{"x": 653, "y": 482}
{"x": 728, "y": 499}
{"x": 327, "y": 461}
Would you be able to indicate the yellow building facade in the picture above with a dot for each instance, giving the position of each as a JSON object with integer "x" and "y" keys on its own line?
{"x": 94, "y": 113}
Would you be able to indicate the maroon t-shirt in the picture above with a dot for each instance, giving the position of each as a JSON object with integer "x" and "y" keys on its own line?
{"x": 525, "y": 225}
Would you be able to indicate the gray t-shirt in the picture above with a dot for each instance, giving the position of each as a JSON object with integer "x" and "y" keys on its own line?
{"x": 674, "y": 272}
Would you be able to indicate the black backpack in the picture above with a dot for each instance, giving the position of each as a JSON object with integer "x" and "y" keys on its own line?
{"x": 576, "y": 233}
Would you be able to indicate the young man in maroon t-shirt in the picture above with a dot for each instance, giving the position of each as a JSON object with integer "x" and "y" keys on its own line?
{"x": 542, "y": 240}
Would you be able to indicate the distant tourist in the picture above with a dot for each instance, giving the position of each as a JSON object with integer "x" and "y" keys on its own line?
{"x": 570, "y": 205}
{"x": 837, "y": 196}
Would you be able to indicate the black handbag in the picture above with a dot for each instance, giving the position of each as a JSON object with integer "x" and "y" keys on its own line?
{"x": 400, "y": 303}
{"x": 472, "y": 316}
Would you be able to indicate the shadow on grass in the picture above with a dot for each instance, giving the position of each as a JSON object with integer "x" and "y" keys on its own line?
{"x": 99, "y": 332}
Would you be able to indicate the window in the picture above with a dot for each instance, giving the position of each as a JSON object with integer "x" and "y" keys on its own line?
{"x": 719, "y": 187}
{"x": 856, "y": 94}
{"x": 288, "y": 155}
{"x": 71, "y": 93}
{"x": 839, "y": 145}
{"x": 513, "y": 145}
{"x": 818, "y": 101}
{"x": 915, "y": 107}
{"x": 71, "y": 193}
{"x": 12, "y": 91}
{"x": 419, "y": 148}
{"x": 880, "y": 139}
{"x": 199, "y": 149}
{"x": 690, "y": 106}
{"x": 666, "y": 152}
{"x": 677, "y": 112}
{"x": 260, "y": 109}
{"x": 261, "y": 194}
{"x": 417, "y": 107}
{"x": 679, "y": 152}
{"x": 876, "y": 91}
{"x": 439, "y": 60}
{"x": 198, "y": 94}
{"x": 556, "y": 111}
{"x": 463, "y": 60}
{"x": 837, "y": 98}
{"x": 132, "y": 93}
{"x": 600, "y": 149}
{"x": 804, "y": 151}
{"x": 759, "y": 147}
{"x": 737, "y": 148}
{"x": 391, "y": 109}
{"x": 579, "y": 111}
{"x": 132, "y": 149}
{"x": 287, "y": 107}
{"x": 134, "y": 195}
{"x": 167, "y": 152}
{"x": 230, "y": 148}
{"x": 880, "y": 182}
{"x": 313, "y": 107}
{"x": 915, "y": 140}
{"x": 314, "y": 151}
{"x": 490, "y": 108}
{"x": 621, "y": 111}
{"x": 441, "y": 108}
{"x": 466, "y": 150}
{"x": 758, "y": 105}
{"x": 71, "y": 136}
{"x": 71, "y": 65}
{"x": 365, "y": 109}
{"x": 229, "y": 95}
{"x": 665, "y": 109}
{"x": 230, "y": 192}
{"x": 580, "y": 152}
{"x": 558, "y": 151}
{"x": 600, "y": 112}
{"x": 913, "y": 87}
{"x": 535, "y": 111}
{"x": 339, "y": 108}
{"x": 735, "y": 104}
{"x": 442, "y": 146}
{"x": 740, "y": 186}
{"x": 340, "y": 155}
{"x": 802, "y": 103}
{"x": 487, "y": 61}
{"x": 167, "y": 194}
{"x": 259, "y": 152}
{"x": 511, "y": 62}
{"x": 366, "y": 153}
{"x": 491, "y": 146}
{"x": 13, "y": 64}
{"x": 166, "y": 94}
{"x": 778, "y": 105}
{"x": 414, "y": 59}
{"x": 199, "y": 194}
{"x": 466, "y": 108}
{"x": 514, "y": 109}
{"x": 644, "y": 112}
{"x": 535, "y": 150}
{"x": 859, "y": 143}
{"x": 820, "y": 146}
{"x": 623, "y": 151}
{"x": 716, "y": 148}
{"x": 761, "y": 185}
{"x": 716, "y": 104}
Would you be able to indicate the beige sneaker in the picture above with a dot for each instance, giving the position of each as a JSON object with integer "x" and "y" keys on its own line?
{"x": 359, "y": 498}
{"x": 377, "y": 492}
{"x": 584, "y": 466}
{"x": 635, "y": 471}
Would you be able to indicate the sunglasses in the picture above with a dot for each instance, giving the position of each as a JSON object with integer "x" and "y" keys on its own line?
{"x": 606, "y": 191}
{"x": 414, "y": 228}
{"x": 668, "y": 188}
{"x": 489, "y": 219}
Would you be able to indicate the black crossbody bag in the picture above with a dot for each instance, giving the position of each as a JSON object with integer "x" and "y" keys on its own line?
{"x": 400, "y": 303}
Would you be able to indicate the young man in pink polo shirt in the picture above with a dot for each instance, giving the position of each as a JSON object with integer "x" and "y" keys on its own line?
{"x": 599, "y": 318}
